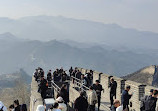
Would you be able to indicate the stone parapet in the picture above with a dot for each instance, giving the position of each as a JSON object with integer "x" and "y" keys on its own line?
{"x": 35, "y": 98}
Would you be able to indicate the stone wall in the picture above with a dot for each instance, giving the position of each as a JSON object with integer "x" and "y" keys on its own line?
{"x": 120, "y": 87}
{"x": 35, "y": 98}
{"x": 73, "y": 94}
{"x": 138, "y": 89}
{"x": 104, "y": 81}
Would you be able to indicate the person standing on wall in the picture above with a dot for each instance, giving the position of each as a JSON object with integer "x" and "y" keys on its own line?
{"x": 81, "y": 103}
{"x": 16, "y": 105}
{"x": 64, "y": 94}
{"x": 113, "y": 87}
{"x": 143, "y": 99}
{"x": 92, "y": 98}
{"x": 125, "y": 98}
{"x": 49, "y": 75}
{"x": 98, "y": 88}
{"x": 71, "y": 71}
{"x": 150, "y": 102}
{"x": 43, "y": 87}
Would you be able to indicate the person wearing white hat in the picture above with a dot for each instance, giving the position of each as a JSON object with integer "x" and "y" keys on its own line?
{"x": 2, "y": 107}
{"x": 40, "y": 108}
{"x": 61, "y": 103}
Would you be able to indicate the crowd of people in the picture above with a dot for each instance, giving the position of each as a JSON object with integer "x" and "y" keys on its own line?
{"x": 13, "y": 107}
{"x": 86, "y": 79}
{"x": 93, "y": 95}
{"x": 59, "y": 75}
{"x": 89, "y": 97}
{"x": 148, "y": 102}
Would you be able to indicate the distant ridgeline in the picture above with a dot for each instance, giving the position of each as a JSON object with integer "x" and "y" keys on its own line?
{"x": 9, "y": 80}
{"x": 139, "y": 89}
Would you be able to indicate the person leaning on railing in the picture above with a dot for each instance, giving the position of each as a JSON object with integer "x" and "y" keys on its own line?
{"x": 92, "y": 98}
{"x": 64, "y": 93}
{"x": 84, "y": 81}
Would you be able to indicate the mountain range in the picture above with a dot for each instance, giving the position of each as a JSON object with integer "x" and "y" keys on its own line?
{"x": 52, "y": 42}
{"x": 18, "y": 53}
{"x": 48, "y": 28}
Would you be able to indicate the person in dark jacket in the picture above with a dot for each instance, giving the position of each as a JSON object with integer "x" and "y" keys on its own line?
{"x": 113, "y": 87}
{"x": 49, "y": 75}
{"x": 78, "y": 75}
{"x": 91, "y": 77}
{"x": 11, "y": 107}
{"x": 81, "y": 103}
{"x": 64, "y": 76}
{"x": 150, "y": 102}
{"x": 36, "y": 74}
{"x": 43, "y": 87}
{"x": 98, "y": 88}
{"x": 56, "y": 76}
{"x": 64, "y": 93}
{"x": 16, "y": 105}
{"x": 70, "y": 71}
{"x": 42, "y": 73}
{"x": 142, "y": 105}
{"x": 125, "y": 98}
{"x": 61, "y": 70}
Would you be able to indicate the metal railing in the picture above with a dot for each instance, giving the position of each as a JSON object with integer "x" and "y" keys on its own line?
{"x": 56, "y": 87}
{"x": 78, "y": 83}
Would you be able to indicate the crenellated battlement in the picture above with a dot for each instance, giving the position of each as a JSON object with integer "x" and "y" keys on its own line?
{"x": 138, "y": 90}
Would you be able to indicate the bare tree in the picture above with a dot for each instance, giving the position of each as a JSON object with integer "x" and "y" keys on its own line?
{"x": 22, "y": 91}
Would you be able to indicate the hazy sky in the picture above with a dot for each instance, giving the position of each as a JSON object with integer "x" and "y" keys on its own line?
{"x": 139, "y": 14}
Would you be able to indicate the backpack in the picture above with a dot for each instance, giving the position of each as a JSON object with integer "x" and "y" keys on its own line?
{"x": 1, "y": 108}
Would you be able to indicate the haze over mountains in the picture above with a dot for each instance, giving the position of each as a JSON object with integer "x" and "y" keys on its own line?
{"x": 104, "y": 47}
{"x": 61, "y": 28}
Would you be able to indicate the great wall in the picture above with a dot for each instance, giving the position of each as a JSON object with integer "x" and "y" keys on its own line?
{"x": 138, "y": 90}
